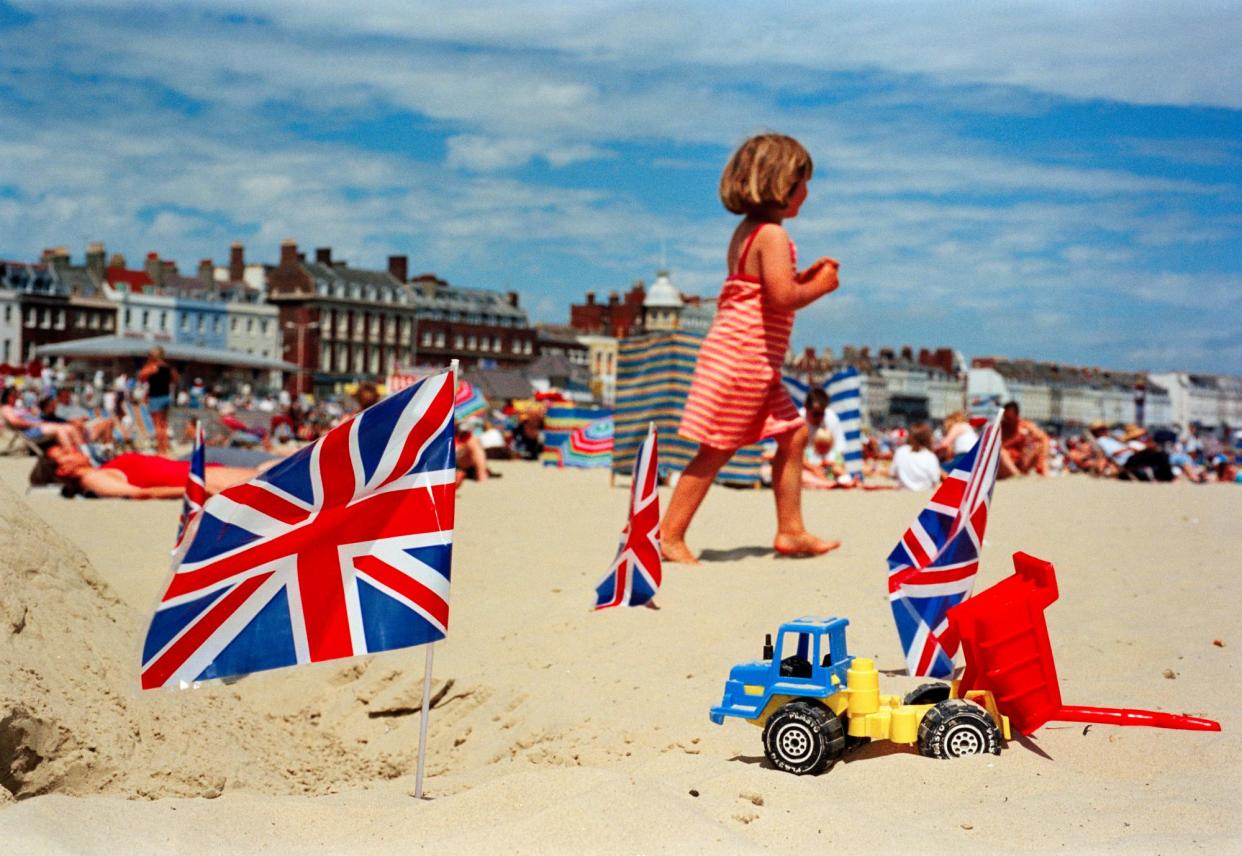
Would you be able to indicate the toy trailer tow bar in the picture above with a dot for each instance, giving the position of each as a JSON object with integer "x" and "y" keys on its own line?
{"x": 1005, "y": 643}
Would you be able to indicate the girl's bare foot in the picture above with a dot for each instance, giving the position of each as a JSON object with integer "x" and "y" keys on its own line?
{"x": 804, "y": 544}
{"x": 677, "y": 552}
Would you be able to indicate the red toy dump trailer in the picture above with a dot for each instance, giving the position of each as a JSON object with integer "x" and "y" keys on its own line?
{"x": 1005, "y": 643}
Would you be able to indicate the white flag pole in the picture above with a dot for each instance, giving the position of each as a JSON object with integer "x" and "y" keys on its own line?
{"x": 427, "y": 668}
{"x": 422, "y": 725}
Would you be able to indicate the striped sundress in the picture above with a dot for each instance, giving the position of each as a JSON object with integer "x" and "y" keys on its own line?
{"x": 736, "y": 397}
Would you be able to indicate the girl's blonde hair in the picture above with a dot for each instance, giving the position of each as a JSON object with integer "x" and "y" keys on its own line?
{"x": 763, "y": 173}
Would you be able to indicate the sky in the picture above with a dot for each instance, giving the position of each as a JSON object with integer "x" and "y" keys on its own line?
{"x": 1054, "y": 180}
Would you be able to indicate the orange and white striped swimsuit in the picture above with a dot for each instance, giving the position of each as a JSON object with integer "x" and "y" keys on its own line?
{"x": 736, "y": 397}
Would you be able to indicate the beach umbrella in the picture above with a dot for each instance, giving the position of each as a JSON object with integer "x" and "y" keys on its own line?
{"x": 470, "y": 402}
{"x": 589, "y": 446}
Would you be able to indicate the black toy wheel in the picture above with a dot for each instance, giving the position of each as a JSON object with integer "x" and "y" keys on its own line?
{"x": 955, "y": 728}
{"x": 927, "y": 693}
{"x": 803, "y": 738}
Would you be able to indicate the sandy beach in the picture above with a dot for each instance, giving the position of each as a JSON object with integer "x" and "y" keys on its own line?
{"x": 560, "y": 730}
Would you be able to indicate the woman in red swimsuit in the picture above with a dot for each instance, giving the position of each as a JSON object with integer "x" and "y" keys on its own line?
{"x": 134, "y": 476}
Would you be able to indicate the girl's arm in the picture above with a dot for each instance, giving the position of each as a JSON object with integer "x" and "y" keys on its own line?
{"x": 783, "y": 288}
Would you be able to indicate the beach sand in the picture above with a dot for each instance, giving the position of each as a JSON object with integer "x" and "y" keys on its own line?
{"x": 561, "y": 730}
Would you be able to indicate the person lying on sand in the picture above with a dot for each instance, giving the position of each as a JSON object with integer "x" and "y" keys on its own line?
{"x": 131, "y": 476}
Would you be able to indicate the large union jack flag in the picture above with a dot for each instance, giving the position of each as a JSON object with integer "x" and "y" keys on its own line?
{"x": 195, "y": 490}
{"x": 342, "y": 549}
{"x": 933, "y": 566}
{"x": 635, "y": 574}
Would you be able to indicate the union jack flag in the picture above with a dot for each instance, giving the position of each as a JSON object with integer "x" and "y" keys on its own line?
{"x": 195, "y": 489}
{"x": 933, "y": 566}
{"x": 635, "y": 574}
{"x": 342, "y": 549}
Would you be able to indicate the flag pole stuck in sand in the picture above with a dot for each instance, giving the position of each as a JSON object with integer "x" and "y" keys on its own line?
{"x": 431, "y": 650}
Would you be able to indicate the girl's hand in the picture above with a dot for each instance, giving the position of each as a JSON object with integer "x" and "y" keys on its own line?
{"x": 814, "y": 269}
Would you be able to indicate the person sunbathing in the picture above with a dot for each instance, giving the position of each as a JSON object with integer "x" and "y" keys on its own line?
{"x": 132, "y": 475}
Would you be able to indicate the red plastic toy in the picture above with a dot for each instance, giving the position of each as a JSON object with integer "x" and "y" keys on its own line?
{"x": 1005, "y": 642}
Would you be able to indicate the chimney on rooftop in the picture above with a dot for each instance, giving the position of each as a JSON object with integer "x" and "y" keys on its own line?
{"x": 153, "y": 268}
{"x": 288, "y": 253}
{"x": 590, "y": 298}
{"x": 907, "y": 353}
{"x": 167, "y": 266}
{"x": 513, "y": 299}
{"x": 237, "y": 262}
{"x": 323, "y": 255}
{"x": 399, "y": 267}
{"x": 207, "y": 273}
{"x": 95, "y": 262}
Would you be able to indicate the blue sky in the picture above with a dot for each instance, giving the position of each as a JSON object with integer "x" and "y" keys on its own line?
{"x": 1049, "y": 180}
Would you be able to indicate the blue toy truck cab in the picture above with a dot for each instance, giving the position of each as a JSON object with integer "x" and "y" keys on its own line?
{"x": 809, "y": 660}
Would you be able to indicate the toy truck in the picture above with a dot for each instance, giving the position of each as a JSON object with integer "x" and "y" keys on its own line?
{"x": 814, "y": 701}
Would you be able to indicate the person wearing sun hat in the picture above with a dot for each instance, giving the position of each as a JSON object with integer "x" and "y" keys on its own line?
{"x": 1136, "y": 459}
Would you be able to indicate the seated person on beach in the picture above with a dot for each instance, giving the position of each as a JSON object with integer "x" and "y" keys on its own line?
{"x": 131, "y": 476}
{"x": 494, "y": 442}
{"x": 528, "y": 437}
{"x": 243, "y": 433}
{"x": 471, "y": 461}
{"x": 1024, "y": 447}
{"x": 959, "y": 438}
{"x": 915, "y": 465}
{"x": 822, "y": 464}
{"x": 34, "y": 427}
{"x": 1132, "y": 455}
{"x": 98, "y": 430}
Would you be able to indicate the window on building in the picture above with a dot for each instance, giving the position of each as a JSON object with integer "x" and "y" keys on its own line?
{"x": 217, "y": 324}
{"x": 426, "y": 338}
{"x": 107, "y": 322}
{"x": 440, "y": 339}
{"x": 526, "y": 347}
{"x": 249, "y": 325}
{"x": 359, "y": 367}
{"x": 94, "y": 320}
{"x": 375, "y": 360}
{"x": 8, "y": 315}
{"x": 263, "y": 326}
{"x": 200, "y": 322}
{"x": 185, "y": 322}
{"x": 496, "y": 343}
{"x": 31, "y": 317}
{"x": 163, "y": 320}
{"x": 146, "y": 319}
{"x": 325, "y": 357}
{"x": 485, "y": 344}
{"x": 7, "y": 345}
{"x": 517, "y": 347}
{"x": 233, "y": 325}
{"x": 473, "y": 344}
{"x": 458, "y": 342}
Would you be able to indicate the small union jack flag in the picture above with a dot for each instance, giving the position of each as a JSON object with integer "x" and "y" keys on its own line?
{"x": 635, "y": 574}
{"x": 342, "y": 549}
{"x": 195, "y": 489}
{"x": 933, "y": 566}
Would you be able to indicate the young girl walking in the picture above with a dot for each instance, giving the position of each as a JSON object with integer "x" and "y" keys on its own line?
{"x": 736, "y": 397}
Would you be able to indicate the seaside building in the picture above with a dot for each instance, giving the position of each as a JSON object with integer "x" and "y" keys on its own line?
{"x": 58, "y": 301}
{"x": 618, "y": 318}
{"x": 1213, "y": 401}
{"x": 478, "y": 327}
{"x": 339, "y": 323}
{"x": 10, "y": 325}
{"x": 602, "y": 361}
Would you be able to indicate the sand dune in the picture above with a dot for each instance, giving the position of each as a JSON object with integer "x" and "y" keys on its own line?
{"x": 562, "y": 730}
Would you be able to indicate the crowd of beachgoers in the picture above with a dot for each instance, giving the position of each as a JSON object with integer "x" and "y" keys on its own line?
{"x": 79, "y": 426}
